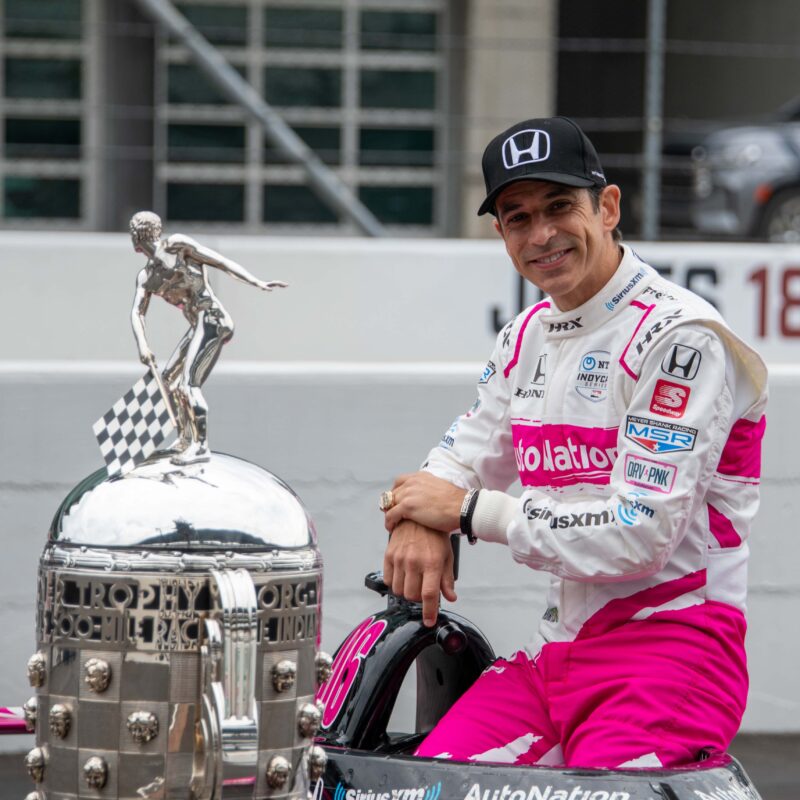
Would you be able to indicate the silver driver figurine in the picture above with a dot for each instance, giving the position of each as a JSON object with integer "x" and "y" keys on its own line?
{"x": 176, "y": 272}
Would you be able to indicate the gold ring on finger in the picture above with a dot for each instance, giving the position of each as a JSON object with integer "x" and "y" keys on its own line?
{"x": 387, "y": 500}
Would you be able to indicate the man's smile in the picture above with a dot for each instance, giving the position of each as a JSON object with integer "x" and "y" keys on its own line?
{"x": 552, "y": 259}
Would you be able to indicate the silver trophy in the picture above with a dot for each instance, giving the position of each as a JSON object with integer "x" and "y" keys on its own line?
{"x": 179, "y": 597}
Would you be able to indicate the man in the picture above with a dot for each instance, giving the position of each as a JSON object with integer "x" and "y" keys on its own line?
{"x": 176, "y": 272}
{"x": 633, "y": 417}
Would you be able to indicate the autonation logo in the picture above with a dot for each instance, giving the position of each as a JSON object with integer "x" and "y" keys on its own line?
{"x": 547, "y": 792}
{"x": 415, "y": 793}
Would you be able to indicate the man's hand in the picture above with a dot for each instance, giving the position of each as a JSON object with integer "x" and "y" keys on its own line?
{"x": 418, "y": 564}
{"x": 426, "y": 499}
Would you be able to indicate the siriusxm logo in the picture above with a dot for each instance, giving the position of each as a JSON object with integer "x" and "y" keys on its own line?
{"x": 628, "y": 510}
{"x": 415, "y": 793}
{"x": 619, "y": 296}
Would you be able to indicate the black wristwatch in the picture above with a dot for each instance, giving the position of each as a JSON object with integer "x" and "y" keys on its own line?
{"x": 467, "y": 512}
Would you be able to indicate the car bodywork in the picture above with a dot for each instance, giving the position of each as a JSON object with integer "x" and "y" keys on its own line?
{"x": 747, "y": 182}
{"x": 367, "y": 762}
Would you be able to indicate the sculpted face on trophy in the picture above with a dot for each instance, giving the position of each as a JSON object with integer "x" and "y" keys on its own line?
{"x": 142, "y": 726}
{"x": 60, "y": 720}
{"x": 284, "y": 674}
{"x": 308, "y": 720}
{"x": 97, "y": 675}
{"x": 317, "y": 760}
{"x": 95, "y": 772}
{"x": 35, "y": 763}
{"x": 30, "y": 710}
{"x": 37, "y": 670}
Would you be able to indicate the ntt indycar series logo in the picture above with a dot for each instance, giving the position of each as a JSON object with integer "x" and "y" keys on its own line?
{"x": 415, "y": 793}
{"x": 547, "y": 792}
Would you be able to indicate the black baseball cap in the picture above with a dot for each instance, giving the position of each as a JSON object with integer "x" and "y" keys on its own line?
{"x": 550, "y": 149}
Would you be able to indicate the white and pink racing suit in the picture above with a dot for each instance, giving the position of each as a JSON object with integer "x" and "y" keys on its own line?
{"x": 634, "y": 423}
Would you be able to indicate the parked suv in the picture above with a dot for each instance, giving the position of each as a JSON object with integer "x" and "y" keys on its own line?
{"x": 747, "y": 180}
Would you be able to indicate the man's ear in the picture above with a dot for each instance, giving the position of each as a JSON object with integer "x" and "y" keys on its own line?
{"x": 609, "y": 206}
{"x": 497, "y": 226}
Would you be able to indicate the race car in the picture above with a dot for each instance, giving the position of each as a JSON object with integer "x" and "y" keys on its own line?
{"x": 368, "y": 762}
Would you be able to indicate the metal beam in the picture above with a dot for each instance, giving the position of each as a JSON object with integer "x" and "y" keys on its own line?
{"x": 654, "y": 122}
{"x": 322, "y": 180}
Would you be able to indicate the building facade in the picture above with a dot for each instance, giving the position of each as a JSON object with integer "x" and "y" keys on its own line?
{"x": 104, "y": 114}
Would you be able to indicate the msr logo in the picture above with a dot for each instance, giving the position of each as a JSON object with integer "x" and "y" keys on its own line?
{"x": 669, "y": 399}
{"x": 659, "y": 437}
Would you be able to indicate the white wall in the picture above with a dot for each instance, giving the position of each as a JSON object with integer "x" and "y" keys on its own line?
{"x": 68, "y": 296}
{"x": 339, "y": 432}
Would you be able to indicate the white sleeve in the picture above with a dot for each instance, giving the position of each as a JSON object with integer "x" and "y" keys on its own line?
{"x": 477, "y": 450}
{"x": 668, "y": 446}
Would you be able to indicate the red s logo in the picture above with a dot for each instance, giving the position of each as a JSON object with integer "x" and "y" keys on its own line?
{"x": 669, "y": 399}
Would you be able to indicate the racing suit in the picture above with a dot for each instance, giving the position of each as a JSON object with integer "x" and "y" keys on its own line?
{"x": 634, "y": 423}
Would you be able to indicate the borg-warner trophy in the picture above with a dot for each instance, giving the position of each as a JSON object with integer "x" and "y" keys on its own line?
{"x": 179, "y": 590}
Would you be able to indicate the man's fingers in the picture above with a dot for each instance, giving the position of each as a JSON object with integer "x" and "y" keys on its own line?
{"x": 412, "y": 585}
{"x": 401, "y": 479}
{"x": 392, "y": 518}
{"x": 430, "y": 597}
{"x": 399, "y": 581}
{"x": 449, "y": 583}
{"x": 388, "y": 566}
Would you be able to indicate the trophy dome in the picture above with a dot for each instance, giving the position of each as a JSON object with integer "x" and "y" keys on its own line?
{"x": 223, "y": 503}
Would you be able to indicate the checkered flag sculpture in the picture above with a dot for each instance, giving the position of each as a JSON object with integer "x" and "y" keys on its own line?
{"x": 134, "y": 427}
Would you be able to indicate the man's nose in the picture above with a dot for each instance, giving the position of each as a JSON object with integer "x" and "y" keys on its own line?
{"x": 541, "y": 231}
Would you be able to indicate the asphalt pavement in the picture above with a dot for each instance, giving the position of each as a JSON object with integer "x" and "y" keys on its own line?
{"x": 772, "y": 762}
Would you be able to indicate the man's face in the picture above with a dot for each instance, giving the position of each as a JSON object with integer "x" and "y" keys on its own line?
{"x": 557, "y": 240}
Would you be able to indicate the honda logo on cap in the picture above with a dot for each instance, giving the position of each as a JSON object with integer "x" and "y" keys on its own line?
{"x": 526, "y": 147}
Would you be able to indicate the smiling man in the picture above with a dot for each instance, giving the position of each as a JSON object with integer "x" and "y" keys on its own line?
{"x": 633, "y": 417}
